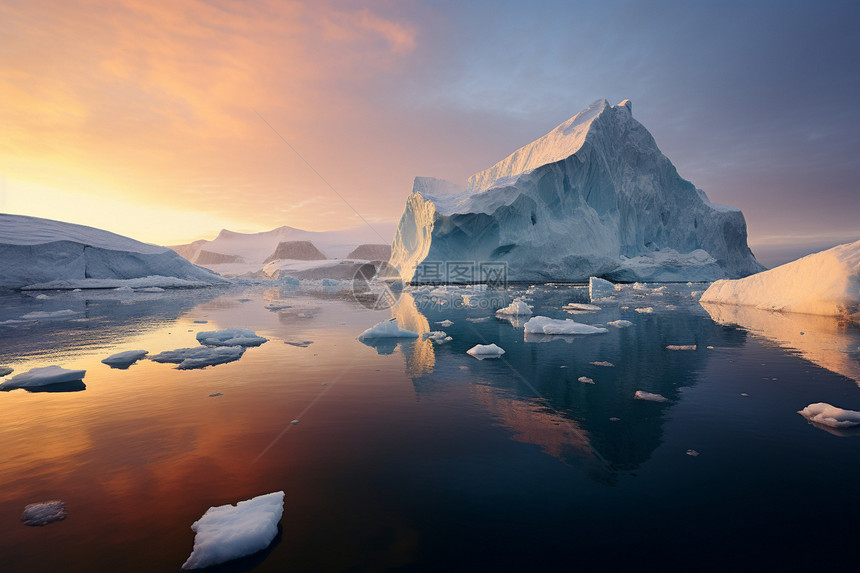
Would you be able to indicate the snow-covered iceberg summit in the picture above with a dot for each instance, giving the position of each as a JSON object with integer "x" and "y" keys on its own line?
{"x": 594, "y": 197}
{"x": 39, "y": 251}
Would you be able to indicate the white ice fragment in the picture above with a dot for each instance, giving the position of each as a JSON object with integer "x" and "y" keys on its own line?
{"x": 646, "y": 309}
{"x": 124, "y": 359}
{"x": 585, "y": 380}
{"x": 437, "y": 336}
{"x": 485, "y": 351}
{"x": 823, "y": 413}
{"x": 150, "y": 289}
{"x": 642, "y": 395}
{"x": 200, "y": 356}
{"x": 681, "y": 347}
{"x": 228, "y": 532}
{"x": 620, "y": 323}
{"x": 38, "y": 514}
{"x": 614, "y": 419}
{"x": 517, "y": 308}
{"x": 230, "y": 337}
{"x": 387, "y": 329}
{"x": 445, "y": 323}
{"x": 693, "y": 453}
{"x": 50, "y": 315}
{"x": 294, "y": 422}
{"x": 581, "y": 306}
{"x": 602, "y": 363}
{"x": 546, "y": 325}
{"x": 42, "y": 297}
{"x": 478, "y": 319}
{"x": 44, "y": 376}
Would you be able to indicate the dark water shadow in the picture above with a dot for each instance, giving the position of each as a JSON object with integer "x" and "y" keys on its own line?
{"x": 75, "y": 386}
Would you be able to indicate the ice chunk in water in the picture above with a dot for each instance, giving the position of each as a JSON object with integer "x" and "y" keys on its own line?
{"x": 230, "y": 337}
{"x": 228, "y": 532}
{"x": 823, "y": 413}
{"x": 620, "y": 323}
{"x": 517, "y": 308}
{"x": 585, "y": 380}
{"x": 681, "y": 347}
{"x": 485, "y": 351}
{"x": 200, "y": 357}
{"x": 124, "y": 359}
{"x": 642, "y": 395}
{"x": 43, "y": 377}
{"x": 387, "y": 329}
{"x": 38, "y": 514}
{"x": 546, "y": 325}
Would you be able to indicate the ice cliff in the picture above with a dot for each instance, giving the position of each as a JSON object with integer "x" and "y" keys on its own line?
{"x": 37, "y": 251}
{"x": 594, "y": 197}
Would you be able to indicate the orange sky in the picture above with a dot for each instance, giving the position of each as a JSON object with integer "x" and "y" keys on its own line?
{"x": 115, "y": 112}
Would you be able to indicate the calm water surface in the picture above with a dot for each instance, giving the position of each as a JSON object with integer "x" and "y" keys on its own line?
{"x": 414, "y": 456}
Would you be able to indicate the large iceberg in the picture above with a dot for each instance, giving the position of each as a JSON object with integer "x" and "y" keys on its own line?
{"x": 594, "y": 197}
{"x": 826, "y": 283}
{"x": 53, "y": 254}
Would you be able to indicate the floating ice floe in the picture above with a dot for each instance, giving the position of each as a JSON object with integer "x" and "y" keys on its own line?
{"x": 230, "y": 337}
{"x": 646, "y": 310}
{"x": 437, "y": 336}
{"x": 485, "y": 351}
{"x": 124, "y": 359}
{"x": 50, "y": 315}
{"x": 546, "y": 325}
{"x": 517, "y": 308}
{"x": 44, "y": 376}
{"x": 620, "y": 323}
{"x": 693, "y": 453}
{"x": 43, "y": 513}
{"x": 479, "y": 319}
{"x": 642, "y": 395}
{"x": 601, "y": 363}
{"x": 4, "y": 370}
{"x": 681, "y": 347}
{"x": 299, "y": 343}
{"x": 445, "y": 323}
{"x": 199, "y": 357}
{"x": 581, "y": 307}
{"x": 585, "y": 380}
{"x": 42, "y": 296}
{"x": 823, "y": 413}
{"x": 387, "y": 329}
{"x": 228, "y": 532}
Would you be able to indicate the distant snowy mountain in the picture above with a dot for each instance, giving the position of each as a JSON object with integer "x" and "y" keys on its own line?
{"x": 54, "y": 254}
{"x": 594, "y": 197}
{"x": 233, "y": 253}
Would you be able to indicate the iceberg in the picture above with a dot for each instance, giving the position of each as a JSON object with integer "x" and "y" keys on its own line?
{"x": 546, "y": 325}
{"x": 594, "y": 197}
{"x": 44, "y": 376}
{"x": 824, "y": 283}
{"x": 200, "y": 357}
{"x": 230, "y": 337}
{"x": 125, "y": 359}
{"x": 485, "y": 351}
{"x": 517, "y": 308}
{"x": 386, "y": 329}
{"x": 39, "y": 251}
{"x": 599, "y": 288}
{"x": 227, "y": 532}
{"x": 823, "y": 413}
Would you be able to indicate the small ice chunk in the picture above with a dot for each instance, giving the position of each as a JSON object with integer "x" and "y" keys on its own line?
{"x": 614, "y": 419}
{"x": 201, "y": 322}
{"x": 228, "y": 532}
{"x": 275, "y": 306}
{"x": 711, "y": 347}
{"x": 200, "y": 357}
{"x": 43, "y": 513}
{"x": 681, "y": 347}
{"x": 642, "y": 395}
{"x": 230, "y": 337}
{"x": 43, "y": 377}
{"x": 437, "y": 336}
{"x": 150, "y": 289}
{"x": 585, "y": 380}
{"x": 42, "y": 297}
{"x": 517, "y": 308}
{"x": 4, "y": 370}
{"x": 50, "y": 315}
{"x": 299, "y": 343}
{"x": 479, "y": 319}
{"x": 546, "y": 325}
{"x": 124, "y": 359}
{"x": 581, "y": 306}
{"x": 215, "y": 394}
{"x": 294, "y": 422}
{"x": 823, "y": 413}
{"x": 387, "y": 329}
{"x": 693, "y": 453}
{"x": 485, "y": 351}
{"x": 125, "y": 288}
{"x": 744, "y": 394}
{"x": 445, "y": 323}
{"x": 599, "y": 288}
{"x": 602, "y": 363}
{"x": 646, "y": 309}
{"x": 620, "y": 323}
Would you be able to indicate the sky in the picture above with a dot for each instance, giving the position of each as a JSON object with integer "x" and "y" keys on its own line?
{"x": 168, "y": 121}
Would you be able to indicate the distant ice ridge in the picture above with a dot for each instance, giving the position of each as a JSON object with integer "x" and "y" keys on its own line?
{"x": 227, "y": 532}
{"x": 53, "y": 254}
{"x": 594, "y": 197}
{"x": 825, "y": 283}
{"x": 44, "y": 376}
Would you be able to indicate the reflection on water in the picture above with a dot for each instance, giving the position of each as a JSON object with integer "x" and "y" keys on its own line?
{"x": 827, "y": 341}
